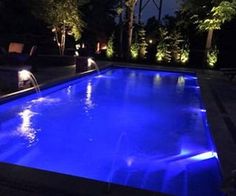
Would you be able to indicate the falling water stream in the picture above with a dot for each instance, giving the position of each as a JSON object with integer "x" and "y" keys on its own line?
{"x": 92, "y": 62}
{"x": 25, "y": 75}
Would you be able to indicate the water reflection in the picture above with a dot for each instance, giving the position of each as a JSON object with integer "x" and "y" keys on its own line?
{"x": 129, "y": 161}
{"x": 25, "y": 129}
{"x": 88, "y": 100}
{"x": 132, "y": 75}
{"x": 45, "y": 100}
{"x": 181, "y": 83}
{"x": 157, "y": 80}
{"x": 68, "y": 90}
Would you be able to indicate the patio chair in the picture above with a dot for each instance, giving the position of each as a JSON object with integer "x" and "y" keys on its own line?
{"x": 16, "y": 55}
{"x": 15, "y": 47}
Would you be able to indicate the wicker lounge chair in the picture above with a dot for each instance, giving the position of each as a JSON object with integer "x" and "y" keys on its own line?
{"x": 16, "y": 55}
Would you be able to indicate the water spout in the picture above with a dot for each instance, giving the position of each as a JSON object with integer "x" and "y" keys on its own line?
{"x": 24, "y": 76}
{"x": 92, "y": 62}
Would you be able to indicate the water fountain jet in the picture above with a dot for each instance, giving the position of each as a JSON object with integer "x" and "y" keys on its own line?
{"x": 25, "y": 76}
{"x": 92, "y": 62}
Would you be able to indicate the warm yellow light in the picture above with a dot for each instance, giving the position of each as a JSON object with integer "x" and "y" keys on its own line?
{"x": 212, "y": 57}
{"x": 104, "y": 47}
{"x": 160, "y": 56}
{"x": 98, "y": 47}
{"x": 150, "y": 41}
{"x": 134, "y": 50}
{"x": 54, "y": 29}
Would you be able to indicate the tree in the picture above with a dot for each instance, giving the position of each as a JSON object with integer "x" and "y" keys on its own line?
{"x": 142, "y": 42}
{"x": 176, "y": 41}
{"x": 207, "y": 16}
{"x": 220, "y": 14}
{"x": 63, "y": 17}
{"x": 129, "y": 6}
{"x": 120, "y": 9}
{"x": 163, "y": 51}
{"x": 110, "y": 47}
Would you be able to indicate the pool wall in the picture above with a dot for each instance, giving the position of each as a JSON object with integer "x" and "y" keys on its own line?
{"x": 41, "y": 182}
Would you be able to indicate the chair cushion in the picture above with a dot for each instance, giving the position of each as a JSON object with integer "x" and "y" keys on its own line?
{"x": 15, "y": 47}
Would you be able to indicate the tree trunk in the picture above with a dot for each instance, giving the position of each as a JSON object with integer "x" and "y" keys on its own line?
{"x": 208, "y": 45}
{"x": 130, "y": 4}
{"x": 63, "y": 39}
{"x": 57, "y": 39}
{"x": 121, "y": 36}
{"x": 209, "y": 39}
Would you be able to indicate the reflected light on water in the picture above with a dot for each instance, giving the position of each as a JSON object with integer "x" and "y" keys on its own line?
{"x": 204, "y": 156}
{"x": 180, "y": 84}
{"x": 132, "y": 74}
{"x": 129, "y": 161}
{"x": 181, "y": 81}
{"x": 25, "y": 129}
{"x": 203, "y": 110}
{"x": 46, "y": 100}
{"x": 88, "y": 101}
{"x": 68, "y": 90}
{"x": 157, "y": 80}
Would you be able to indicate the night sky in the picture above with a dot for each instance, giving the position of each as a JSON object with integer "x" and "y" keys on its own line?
{"x": 168, "y": 7}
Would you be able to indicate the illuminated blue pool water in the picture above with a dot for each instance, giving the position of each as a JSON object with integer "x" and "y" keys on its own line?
{"x": 137, "y": 128}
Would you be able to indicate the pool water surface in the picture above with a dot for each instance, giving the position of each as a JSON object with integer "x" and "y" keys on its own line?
{"x": 139, "y": 128}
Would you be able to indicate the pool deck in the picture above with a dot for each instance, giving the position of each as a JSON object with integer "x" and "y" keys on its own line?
{"x": 219, "y": 96}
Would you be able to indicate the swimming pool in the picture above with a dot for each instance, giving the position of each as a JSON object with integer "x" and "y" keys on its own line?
{"x": 139, "y": 128}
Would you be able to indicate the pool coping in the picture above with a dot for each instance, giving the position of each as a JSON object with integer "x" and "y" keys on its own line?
{"x": 45, "y": 85}
{"x": 215, "y": 116}
{"x": 221, "y": 128}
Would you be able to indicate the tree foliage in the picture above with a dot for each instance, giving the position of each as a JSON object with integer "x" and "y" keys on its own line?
{"x": 220, "y": 14}
{"x": 110, "y": 47}
{"x": 142, "y": 43}
{"x": 163, "y": 52}
{"x": 59, "y": 12}
{"x": 62, "y": 16}
{"x": 176, "y": 41}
